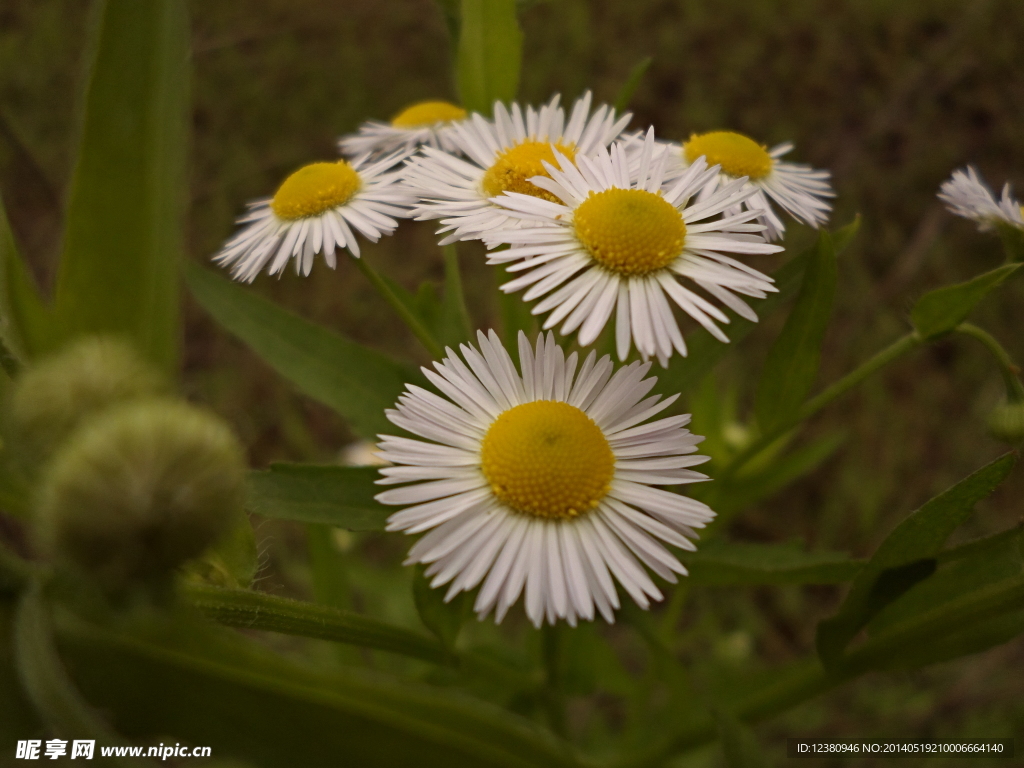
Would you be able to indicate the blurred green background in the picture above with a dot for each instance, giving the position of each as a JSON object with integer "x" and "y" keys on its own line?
{"x": 890, "y": 96}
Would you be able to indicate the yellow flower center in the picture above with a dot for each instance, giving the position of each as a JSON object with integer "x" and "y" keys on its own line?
{"x": 315, "y": 188}
{"x": 630, "y": 231}
{"x": 547, "y": 459}
{"x": 521, "y": 162}
{"x": 428, "y": 113}
{"x": 738, "y": 155}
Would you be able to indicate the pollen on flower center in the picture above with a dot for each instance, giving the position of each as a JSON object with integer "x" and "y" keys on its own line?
{"x": 737, "y": 154}
{"x": 630, "y": 231}
{"x": 515, "y": 165}
{"x": 427, "y": 113}
{"x": 547, "y": 459}
{"x": 315, "y": 188}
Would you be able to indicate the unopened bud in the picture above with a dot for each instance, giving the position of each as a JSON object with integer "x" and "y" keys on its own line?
{"x": 53, "y": 396}
{"x": 1006, "y": 422}
{"x": 140, "y": 489}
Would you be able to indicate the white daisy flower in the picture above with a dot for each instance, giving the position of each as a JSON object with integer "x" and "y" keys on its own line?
{"x": 798, "y": 189}
{"x": 612, "y": 242}
{"x": 427, "y": 122}
{"x": 965, "y": 194}
{"x": 502, "y": 155}
{"x": 312, "y": 212}
{"x": 543, "y": 481}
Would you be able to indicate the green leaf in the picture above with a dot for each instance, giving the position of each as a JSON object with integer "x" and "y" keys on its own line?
{"x": 308, "y": 493}
{"x": 489, "y": 55}
{"x": 704, "y": 350}
{"x": 258, "y": 610}
{"x": 907, "y": 556}
{"x": 792, "y": 364}
{"x": 636, "y": 74}
{"x": 220, "y": 689}
{"x": 357, "y": 382}
{"x": 739, "y": 745}
{"x": 718, "y": 562}
{"x": 454, "y": 324}
{"x": 942, "y": 310}
{"x": 748, "y": 489}
{"x": 123, "y": 238}
{"x": 26, "y": 320}
{"x": 443, "y": 618}
{"x": 963, "y": 571}
{"x": 46, "y": 681}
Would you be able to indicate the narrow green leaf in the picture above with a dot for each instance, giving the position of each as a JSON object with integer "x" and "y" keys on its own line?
{"x": 704, "y": 350}
{"x": 636, "y": 74}
{"x": 489, "y": 55}
{"x": 792, "y": 364}
{"x": 220, "y": 689}
{"x": 307, "y": 493}
{"x": 258, "y": 610}
{"x": 739, "y": 745}
{"x": 358, "y": 383}
{"x": 443, "y": 618}
{"x": 718, "y": 562}
{"x": 25, "y": 319}
{"x": 123, "y": 240}
{"x": 454, "y": 323}
{"x": 982, "y": 563}
{"x": 46, "y": 681}
{"x": 907, "y": 555}
{"x": 942, "y": 310}
{"x": 748, "y": 489}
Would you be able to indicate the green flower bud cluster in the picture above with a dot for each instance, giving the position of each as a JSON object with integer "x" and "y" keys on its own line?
{"x": 132, "y": 482}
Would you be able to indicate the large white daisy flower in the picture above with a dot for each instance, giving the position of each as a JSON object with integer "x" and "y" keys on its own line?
{"x": 965, "y": 194}
{"x": 427, "y": 122}
{"x": 611, "y": 242}
{"x": 502, "y": 155}
{"x": 312, "y": 212}
{"x": 543, "y": 480}
{"x": 798, "y": 189}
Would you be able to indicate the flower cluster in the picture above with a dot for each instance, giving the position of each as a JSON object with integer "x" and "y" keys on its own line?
{"x": 549, "y": 480}
{"x": 592, "y": 222}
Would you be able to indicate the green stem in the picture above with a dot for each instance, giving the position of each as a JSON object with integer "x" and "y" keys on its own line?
{"x": 453, "y": 287}
{"x": 1010, "y": 371}
{"x": 895, "y": 350}
{"x": 246, "y": 609}
{"x": 410, "y": 320}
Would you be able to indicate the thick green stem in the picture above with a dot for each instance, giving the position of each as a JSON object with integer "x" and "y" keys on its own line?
{"x": 410, "y": 320}
{"x": 834, "y": 392}
{"x": 1009, "y": 369}
{"x": 10, "y": 364}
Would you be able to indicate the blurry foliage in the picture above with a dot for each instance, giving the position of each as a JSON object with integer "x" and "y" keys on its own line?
{"x": 891, "y": 97}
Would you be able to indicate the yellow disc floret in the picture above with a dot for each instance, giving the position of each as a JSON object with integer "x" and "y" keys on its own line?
{"x": 521, "y": 162}
{"x": 738, "y": 155}
{"x": 315, "y": 188}
{"x": 427, "y": 113}
{"x": 630, "y": 231}
{"x": 547, "y": 459}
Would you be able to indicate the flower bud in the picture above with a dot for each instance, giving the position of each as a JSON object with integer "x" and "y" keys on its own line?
{"x": 1006, "y": 422}
{"x": 140, "y": 489}
{"x": 53, "y": 396}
